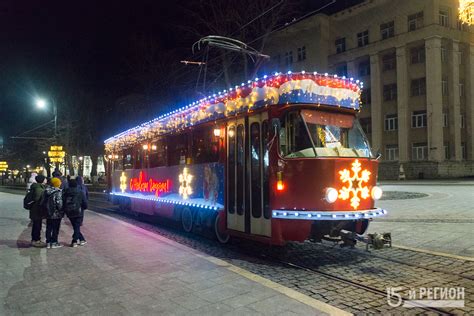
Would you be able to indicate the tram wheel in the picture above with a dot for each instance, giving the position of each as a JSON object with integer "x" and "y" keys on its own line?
{"x": 222, "y": 237}
{"x": 187, "y": 219}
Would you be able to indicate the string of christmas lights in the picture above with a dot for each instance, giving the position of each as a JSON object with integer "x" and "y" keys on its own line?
{"x": 302, "y": 87}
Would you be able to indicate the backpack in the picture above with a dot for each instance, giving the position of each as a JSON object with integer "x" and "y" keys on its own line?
{"x": 47, "y": 203}
{"x": 29, "y": 200}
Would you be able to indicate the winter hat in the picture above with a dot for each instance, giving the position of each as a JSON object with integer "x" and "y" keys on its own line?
{"x": 40, "y": 178}
{"x": 55, "y": 182}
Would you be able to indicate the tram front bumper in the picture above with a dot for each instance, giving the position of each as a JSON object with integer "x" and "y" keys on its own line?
{"x": 329, "y": 215}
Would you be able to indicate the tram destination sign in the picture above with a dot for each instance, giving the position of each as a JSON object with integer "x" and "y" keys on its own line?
{"x": 3, "y": 166}
{"x": 56, "y": 154}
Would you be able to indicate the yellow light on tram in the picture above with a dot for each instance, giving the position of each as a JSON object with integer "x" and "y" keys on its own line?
{"x": 217, "y": 132}
{"x": 231, "y": 133}
{"x": 153, "y": 147}
{"x": 145, "y": 147}
{"x": 109, "y": 156}
{"x": 116, "y": 156}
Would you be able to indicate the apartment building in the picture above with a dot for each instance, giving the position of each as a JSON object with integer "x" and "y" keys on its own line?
{"x": 416, "y": 60}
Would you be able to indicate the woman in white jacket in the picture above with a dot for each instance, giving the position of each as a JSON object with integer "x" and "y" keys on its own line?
{"x": 31, "y": 181}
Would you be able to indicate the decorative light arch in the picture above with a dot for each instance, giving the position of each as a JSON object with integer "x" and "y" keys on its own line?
{"x": 466, "y": 11}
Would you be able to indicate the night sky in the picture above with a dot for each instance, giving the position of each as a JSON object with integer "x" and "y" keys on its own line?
{"x": 52, "y": 48}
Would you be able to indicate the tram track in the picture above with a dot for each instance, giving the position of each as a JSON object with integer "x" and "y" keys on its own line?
{"x": 346, "y": 278}
{"x": 355, "y": 284}
{"x": 246, "y": 254}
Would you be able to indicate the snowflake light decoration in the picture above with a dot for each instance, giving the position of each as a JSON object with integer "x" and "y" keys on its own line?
{"x": 185, "y": 189}
{"x": 466, "y": 11}
{"x": 123, "y": 182}
{"x": 354, "y": 184}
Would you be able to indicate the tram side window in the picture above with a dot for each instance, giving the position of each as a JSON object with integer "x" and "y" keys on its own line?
{"x": 138, "y": 160}
{"x": 240, "y": 169}
{"x": 127, "y": 159}
{"x": 177, "y": 149}
{"x": 158, "y": 153}
{"x": 293, "y": 135}
{"x": 205, "y": 146}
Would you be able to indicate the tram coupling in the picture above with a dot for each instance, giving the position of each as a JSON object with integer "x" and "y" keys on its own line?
{"x": 375, "y": 240}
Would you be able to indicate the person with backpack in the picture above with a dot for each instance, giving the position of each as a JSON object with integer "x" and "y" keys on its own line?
{"x": 82, "y": 187}
{"x": 73, "y": 203}
{"x": 32, "y": 202}
{"x": 53, "y": 204}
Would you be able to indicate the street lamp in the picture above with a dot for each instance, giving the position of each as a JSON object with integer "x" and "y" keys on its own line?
{"x": 41, "y": 104}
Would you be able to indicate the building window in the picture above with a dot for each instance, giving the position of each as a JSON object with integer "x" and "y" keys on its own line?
{"x": 301, "y": 53}
{"x": 366, "y": 124}
{"x": 446, "y": 150}
{"x": 463, "y": 123}
{"x": 365, "y": 96}
{"x": 444, "y": 87}
{"x": 445, "y": 120}
{"x": 419, "y": 151}
{"x": 389, "y": 62}
{"x": 443, "y": 54}
{"x": 363, "y": 38}
{"x": 340, "y": 45}
{"x": 364, "y": 68}
{"x": 277, "y": 60}
{"x": 443, "y": 18}
{"x": 415, "y": 21}
{"x": 418, "y": 87}
{"x": 417, "y": 55}
{"x": 341, "y": 70}
{"x": 461, "y": 56}
{"x": 391, "y": 152}
{"x": 418, "y": 119}
{"x": 461, "y": 89}
{"x": 288, "y": 58}
{"x": 459, "y": 24}
{"x": 463, "y": 151}
{"x": 387, "y": 30}
{"x": 391, "y": 122}
{"x": 390, "y": 92}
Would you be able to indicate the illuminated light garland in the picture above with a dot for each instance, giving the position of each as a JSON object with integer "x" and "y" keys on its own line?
{"x": 309, "y": 88}
{"x": 354, "y": 184}
{"x": 170, "y": 201}
{"x": 466, "y": 11}
{"x": 328, "y": 215}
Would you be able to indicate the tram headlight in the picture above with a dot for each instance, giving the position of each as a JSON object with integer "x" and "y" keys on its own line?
{"x": 331, "y": 195}
{"x": 376, "y": 193}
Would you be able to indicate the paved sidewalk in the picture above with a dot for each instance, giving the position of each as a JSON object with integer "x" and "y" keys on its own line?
{"x": 126, "y": 270}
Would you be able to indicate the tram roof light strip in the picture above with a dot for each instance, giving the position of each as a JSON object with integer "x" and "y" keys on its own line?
{"x": 329, "y": 215}
{"x": 279, "y": 88}
{"x": 169, "y": 201}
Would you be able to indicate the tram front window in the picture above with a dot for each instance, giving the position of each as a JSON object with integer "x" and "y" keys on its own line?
{"x": 311, "y": 133}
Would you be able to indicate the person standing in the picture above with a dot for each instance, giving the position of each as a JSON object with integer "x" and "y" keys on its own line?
{"x": 52, "y": 201}
{"x": 31, "y": 181}
{"x": 73, "y": 203}
{"x": 37, "y": 213}
{"x": 83, "y": 188}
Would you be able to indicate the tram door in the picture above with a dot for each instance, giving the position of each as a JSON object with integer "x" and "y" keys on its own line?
{"x": 247, "y": 175}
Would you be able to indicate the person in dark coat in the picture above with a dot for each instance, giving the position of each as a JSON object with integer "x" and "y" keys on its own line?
{"x": 83, "y": 188}
{"x": 55, "y": 213}
{"x": 37, "y": 213}
{"x": 73, "y": 203}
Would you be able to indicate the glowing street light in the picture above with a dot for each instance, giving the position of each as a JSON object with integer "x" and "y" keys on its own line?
{"x": 40, "y": 103}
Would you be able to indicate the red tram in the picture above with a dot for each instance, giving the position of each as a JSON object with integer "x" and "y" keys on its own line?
{"x": 281, "y": 158}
